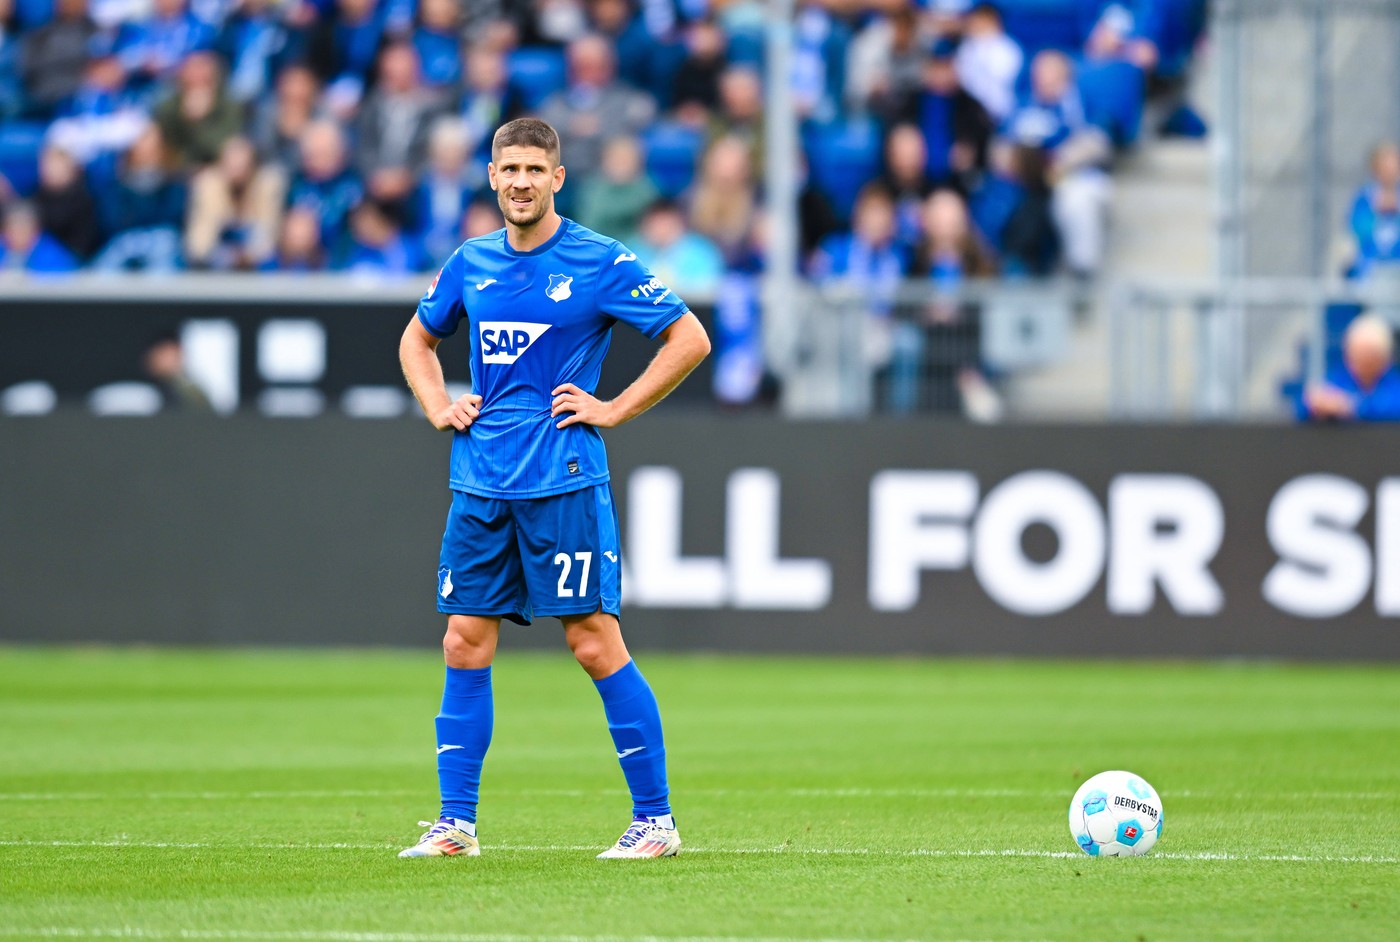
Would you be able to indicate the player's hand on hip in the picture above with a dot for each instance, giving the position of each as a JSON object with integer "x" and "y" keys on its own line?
{"x": 581, "y": 407}
{"x": 459, "y": 415}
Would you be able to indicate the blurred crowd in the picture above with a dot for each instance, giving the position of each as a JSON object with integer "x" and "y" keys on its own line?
{"x": 942, "y": 138}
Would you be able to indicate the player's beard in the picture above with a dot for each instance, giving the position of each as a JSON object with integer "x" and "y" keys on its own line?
{"x": 523, "y": 217}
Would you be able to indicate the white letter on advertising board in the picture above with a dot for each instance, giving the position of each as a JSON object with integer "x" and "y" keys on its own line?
{"x": 918, "y": 521}
{"x": 1166, "y": 529}
{"x": 1024, "y": 585}
{"x": 1324, "y": 568}
{"x": 758, "y": 578}
{"x": 1388, "y": 547}
{"x": 657, "y": 574}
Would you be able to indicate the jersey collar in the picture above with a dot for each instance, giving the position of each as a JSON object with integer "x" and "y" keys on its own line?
{"x": 564, "y": 224}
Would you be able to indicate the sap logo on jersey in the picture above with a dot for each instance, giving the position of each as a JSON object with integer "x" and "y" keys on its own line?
{"x": 504, "y": 341}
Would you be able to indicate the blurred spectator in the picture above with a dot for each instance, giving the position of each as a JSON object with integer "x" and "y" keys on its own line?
{"x": 593, "y": 106}
{"x": 144, "y": 210}
{"x": 723, "y": 200}
{"x": 445, "y": 189}
{"x": 279, "y": 122}
{"x": 299, "y": 245}
{"x": 1375, "y": 213}
{"x": 235, "y": 208}
{"x": 644, "y": 60}
{"x": 740, "y": 112}
{"x": 956, "y": 127}
{"x": 66, "y": 208}
{"x": 53, "y": 56}
{"x": 613, "y": 201}
{"x": 1365, "y": 386}
{"x": 885, "y": 72}
{"x": 906, "y": 180}
{"x": 869, "y": 264}
{"x": 684, "y": 260}
{"x": 152, "y": 48}
{"x": 695, "y": 90}
{"x": 989, "y": 61}
{"x": 392, "y": 139}
{"x": 378, "y": 244}
{"x": 741, "y": 377}
{"x": 1124, "y": 32}
{"x": 820, "y": 41}
{"x": 949, "y": 345}
{"x": 164, "y": 363}
{"x": 437, "y": 40}
{"x": 101, "y": 120}
{"x": 24, "y": 246}
{"x": 324, "y": 182}
{"x": 482, "y": 217}
{"x": 1027, "y": 233}
{"x": 1051, "y": 118}
{"x": 816, "y": 217}
{"x": 487, "y": 100}
{"x": 255, "y": 43}
{"x": 199, "y": 116}
{"x": 341, "y": 49}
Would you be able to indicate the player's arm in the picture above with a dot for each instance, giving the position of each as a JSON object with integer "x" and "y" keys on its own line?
{"x": 683, "y": 345}
{"x": 423, "y": 370}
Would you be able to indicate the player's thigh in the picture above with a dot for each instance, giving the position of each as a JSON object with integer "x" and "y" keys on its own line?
{"x": 479, "y": 569}
{"x": 569, "y": 548}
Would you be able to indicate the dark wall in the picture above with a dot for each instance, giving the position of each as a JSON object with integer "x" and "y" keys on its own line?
{"x": 792, "y": 536}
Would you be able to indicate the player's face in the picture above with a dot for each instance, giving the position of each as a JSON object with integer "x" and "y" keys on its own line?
{"x": 525, "y": 181}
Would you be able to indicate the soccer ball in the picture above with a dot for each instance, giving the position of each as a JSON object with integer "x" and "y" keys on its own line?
{"x": 1115, "y": 814}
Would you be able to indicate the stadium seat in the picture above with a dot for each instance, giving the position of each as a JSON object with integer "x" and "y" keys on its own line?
{"x": 672, "y": 152}
{"x": 19, "y": 154}
{"x": 1113, "y": 95}
{"x": 1045, "y": 24}
{"x": 536, "y": 72}
{"x": 843, "y": 156}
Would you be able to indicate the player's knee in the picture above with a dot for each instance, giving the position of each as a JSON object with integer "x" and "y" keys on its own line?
{"x": 462, "y": 652}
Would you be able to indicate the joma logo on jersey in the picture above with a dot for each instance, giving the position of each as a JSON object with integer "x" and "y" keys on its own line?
{"x": 504, "y": 341}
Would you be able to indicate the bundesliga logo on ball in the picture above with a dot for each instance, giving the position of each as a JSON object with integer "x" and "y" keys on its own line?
{"x": 1115, "y": 814}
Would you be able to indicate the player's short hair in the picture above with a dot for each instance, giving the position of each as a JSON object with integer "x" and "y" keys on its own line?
{"x": 527, "y": 132}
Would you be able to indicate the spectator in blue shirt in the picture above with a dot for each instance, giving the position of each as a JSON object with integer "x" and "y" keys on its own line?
{"x": 956, "y": 127}
{"x": 1051, "y": 112}
{"x": 445, "y": 189}
{"x": 379, "y": 246}
{"x": 1375, "y": 213}
{"x": 1365, "y": 387}
{"x": 438, "y": 39}
{"x": 686, "y": 261}
{"x": 255, "y": 42}
{"x": 487, "y": 100}
{"x": 150, "y": 50}
{"x": 145, "y": 210}
{"x": 299, "y": 246}
{"x": 324, "y": 182}
{"x": 341, "y": 49}
{"x": 26, "y": 247}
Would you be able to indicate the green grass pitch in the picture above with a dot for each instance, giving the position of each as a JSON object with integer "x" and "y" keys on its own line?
{"x": 260, "y": 795}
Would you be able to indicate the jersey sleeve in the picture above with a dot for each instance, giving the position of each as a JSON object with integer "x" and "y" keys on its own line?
{"x": 629, "y": 292}
{"x": 441, "y": 308}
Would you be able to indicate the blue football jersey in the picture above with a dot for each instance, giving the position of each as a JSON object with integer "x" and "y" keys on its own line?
{"x": 538, "y": 319}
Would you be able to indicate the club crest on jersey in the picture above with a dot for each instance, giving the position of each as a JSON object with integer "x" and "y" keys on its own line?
{"x": 504, "y": 341}
{"x": 559, "y": 287}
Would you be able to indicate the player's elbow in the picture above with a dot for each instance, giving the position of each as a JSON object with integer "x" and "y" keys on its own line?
{"x": 694, "y": 337}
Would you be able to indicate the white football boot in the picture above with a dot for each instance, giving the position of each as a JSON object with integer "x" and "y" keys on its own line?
{"x": 646, "y": 838}
{"x": 449, "y": 837}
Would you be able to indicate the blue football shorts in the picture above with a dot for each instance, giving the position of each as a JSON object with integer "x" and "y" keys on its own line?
{"x": 542, "y": 556}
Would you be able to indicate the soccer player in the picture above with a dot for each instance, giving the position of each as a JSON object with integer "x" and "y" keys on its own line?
{"x": 533, "y": 529}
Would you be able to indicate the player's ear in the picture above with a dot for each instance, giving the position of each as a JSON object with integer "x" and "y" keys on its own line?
{"x": 558, "y": 177}
{"x": 491, "y": 173}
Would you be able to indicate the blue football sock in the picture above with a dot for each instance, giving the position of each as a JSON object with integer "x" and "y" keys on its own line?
{"x": 463, "y": 735}
{"x": 635, "y": 724}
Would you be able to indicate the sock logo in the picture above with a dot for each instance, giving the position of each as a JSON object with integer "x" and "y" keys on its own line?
{"x": 627, "y": 752}
{"x": 442, "y": 749}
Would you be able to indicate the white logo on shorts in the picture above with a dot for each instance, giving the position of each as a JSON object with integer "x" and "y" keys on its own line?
{"x": 445, "y": 577}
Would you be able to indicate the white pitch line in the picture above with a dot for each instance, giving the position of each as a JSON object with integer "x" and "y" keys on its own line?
{"x": 786, "y": 792}
{"x": 335, "y": 935}
{"x": 743, "y": 851}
